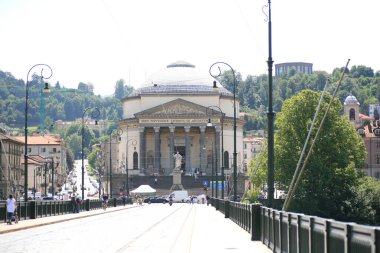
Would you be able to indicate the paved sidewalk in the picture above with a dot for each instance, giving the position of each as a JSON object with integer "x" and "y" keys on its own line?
{"x": 205, "y": 231}
{"x": 30, "y": 223}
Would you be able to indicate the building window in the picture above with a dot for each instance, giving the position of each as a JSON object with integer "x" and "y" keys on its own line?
{"x": 377, "y": 175}
{"x": 54, "y": 150}
{"x": 245, "y": 145}
{"x": 135, "y": 161}
{"x": 29, "y": 150}
{"x": 226, "y": 159}
{"x": 43, "y": 150}
{"x": 378, "y": 144}
{"x": 378, "y": 159}
{"x": 352, "y": 114}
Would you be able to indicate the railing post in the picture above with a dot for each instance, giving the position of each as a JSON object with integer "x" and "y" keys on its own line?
{"x": 33, "y": 210}
{"x": 227, "y": 209}
{"x": 216, "y": 204}
{"x": 311, "y": 234}
{"x": 114, "y": 202}
{"x": 87, "y": 205}
{"x": 255, "y": 222}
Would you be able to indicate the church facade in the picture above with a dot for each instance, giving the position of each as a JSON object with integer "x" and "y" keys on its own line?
{"x": 172, "y": 114}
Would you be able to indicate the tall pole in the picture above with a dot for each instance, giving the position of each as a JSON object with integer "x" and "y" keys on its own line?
{"x": 52, "y": 177}
{"x": 34, "y": 184}
{"x": 45, "y": 179}
{"x": 234, "y": 96}
{"x": 212, "y": 170}
{"x": 94, "y": 114}
{"x": 110, "y": 172}
{"x": 270, "y": 114}
{"x": 46, "y": 89}
{"x": 222, "y": 156}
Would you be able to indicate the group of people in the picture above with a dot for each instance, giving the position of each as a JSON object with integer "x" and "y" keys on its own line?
{"x": 76, "y": 203}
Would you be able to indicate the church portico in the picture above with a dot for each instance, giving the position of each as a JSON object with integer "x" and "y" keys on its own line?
{"x": 193, "y": 142}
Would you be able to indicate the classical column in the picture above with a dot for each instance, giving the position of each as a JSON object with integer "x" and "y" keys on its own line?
{"x": 188, "y": 146}
{"x": 157, "y": 150}
{"x": 142, "y": 150}
{"x": 202, "y": 149}
{"x": 171, "y": 129}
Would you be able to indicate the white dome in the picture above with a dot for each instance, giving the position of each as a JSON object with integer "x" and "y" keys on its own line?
{"x": 351, "y": 100}
{"x": 180, "y": 73}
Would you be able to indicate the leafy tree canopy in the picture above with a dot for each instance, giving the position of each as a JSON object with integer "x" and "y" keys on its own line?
{"x": 331, "y": 173}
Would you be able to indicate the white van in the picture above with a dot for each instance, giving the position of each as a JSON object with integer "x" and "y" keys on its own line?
{"x": 179, "y": 196}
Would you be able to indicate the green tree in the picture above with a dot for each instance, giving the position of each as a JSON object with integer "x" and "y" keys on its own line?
{"x": 361, "y": 70}
{"x": 75, "y": 143}
{"x": 331, "y": 170}
{"x": 119, "y": 89}
{"x": 69, "y": 158}
{"x": 258, "y": 174}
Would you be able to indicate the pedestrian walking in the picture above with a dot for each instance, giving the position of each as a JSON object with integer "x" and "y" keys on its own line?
{"x": 78, "y": 203}
{"x": 74, "y": 204}
{"x": 11, "y": 207}
{"x": 208, "y": 199}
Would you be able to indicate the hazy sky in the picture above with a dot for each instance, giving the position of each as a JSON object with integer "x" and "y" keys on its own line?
{"x": 102, "y": 41}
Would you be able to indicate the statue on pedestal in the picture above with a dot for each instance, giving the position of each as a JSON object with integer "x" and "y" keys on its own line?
{"x": 177, "y": 185}
{"x": 178, "y": 161}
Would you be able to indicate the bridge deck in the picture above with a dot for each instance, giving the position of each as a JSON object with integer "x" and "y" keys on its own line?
{"x": 203, "y": 229}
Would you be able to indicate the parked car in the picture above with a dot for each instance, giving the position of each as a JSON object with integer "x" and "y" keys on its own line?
{"x": 150, "y": 200}
{"x": 238, "y": 198}
{"x": 179, "y": 196}
{"x": 191, "y": 199}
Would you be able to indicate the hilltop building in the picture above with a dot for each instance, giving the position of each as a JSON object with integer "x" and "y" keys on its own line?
{"x": 302, "y": 67}
{"x": 369, "y": 128}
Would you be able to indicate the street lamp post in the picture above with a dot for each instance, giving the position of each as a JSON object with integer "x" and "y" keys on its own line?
{"x": 118, "y": 133}
{"x": 94, "y": 114}
{"x": 52, "y": 177}
{"x": 45, "y": 179}
{"x": 222, "y": 156}
{"x": 234, "y": 93}
{"x": 133, "y": 143}
{"x": 46, "y": 90}
{"x": 34, "y": 183}
{"x": 212, "y": 172}
{"x": 270, "y": 113}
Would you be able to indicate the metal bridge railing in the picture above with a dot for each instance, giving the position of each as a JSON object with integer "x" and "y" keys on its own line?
{"x": 40, "y": 209}
{"x": 288, "y": 232}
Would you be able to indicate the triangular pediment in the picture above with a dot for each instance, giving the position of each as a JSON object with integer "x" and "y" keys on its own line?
{"x": 178, "y": 107}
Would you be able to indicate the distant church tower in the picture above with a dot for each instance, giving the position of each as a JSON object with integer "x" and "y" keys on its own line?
{"x": 351, "y": 110}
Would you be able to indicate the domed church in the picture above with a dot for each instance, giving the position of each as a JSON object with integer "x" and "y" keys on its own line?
{"x": 369, "y": 129}
{"x": 180, "y": 110}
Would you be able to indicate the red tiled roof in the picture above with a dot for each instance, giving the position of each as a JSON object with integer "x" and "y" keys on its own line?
{"x": 41, "y": 140}
{"x": 364, "y": 117}
{"x": 6, "y": 137}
